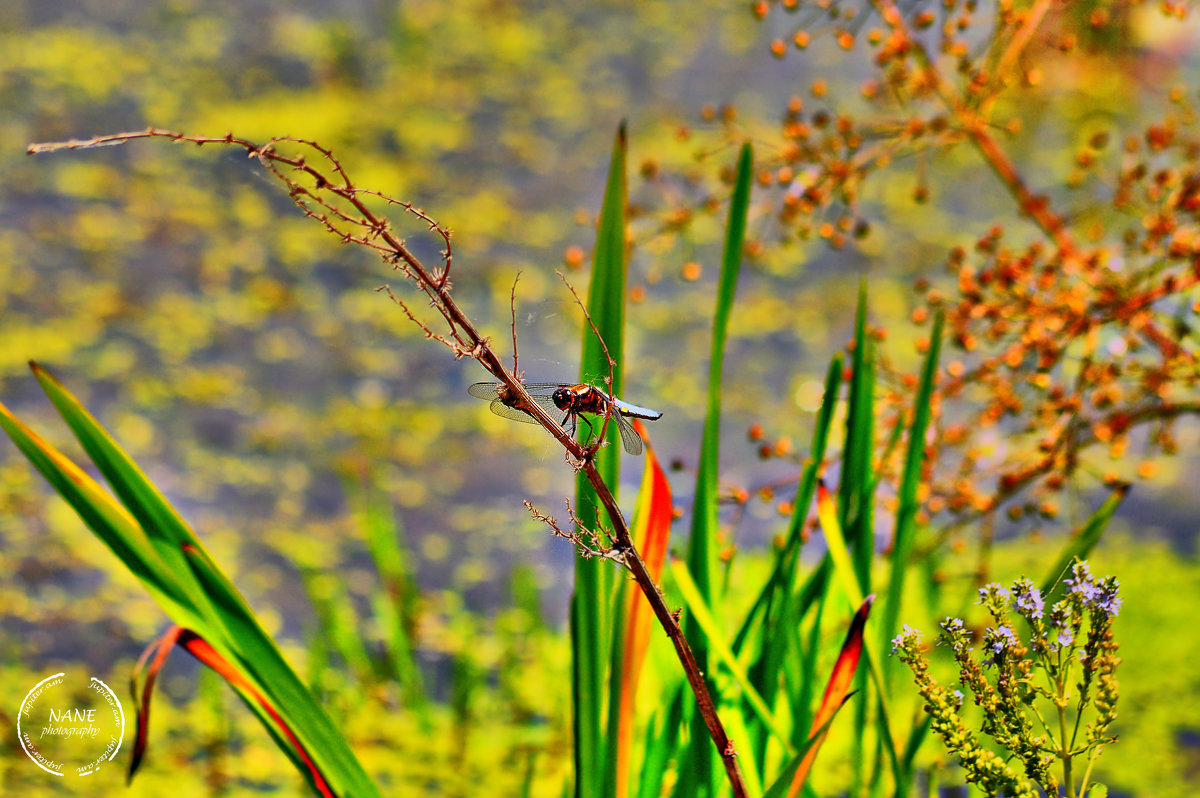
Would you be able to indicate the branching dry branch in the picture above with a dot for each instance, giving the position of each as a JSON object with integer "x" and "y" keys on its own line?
{"x": 586, "y": 540}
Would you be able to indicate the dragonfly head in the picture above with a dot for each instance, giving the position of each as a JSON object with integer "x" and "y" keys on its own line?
{"x": 563, "y": 398}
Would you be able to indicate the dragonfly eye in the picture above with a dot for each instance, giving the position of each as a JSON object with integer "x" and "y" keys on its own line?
{"x": 563, "y": 398}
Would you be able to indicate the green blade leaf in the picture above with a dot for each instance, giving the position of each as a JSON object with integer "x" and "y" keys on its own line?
{"x": 167, "y": 532}
{"x": 592, "y": 601}
{"x": 702, "y": 544}
{"x": 111, "y": 522}
{"x": 910, "y": 481}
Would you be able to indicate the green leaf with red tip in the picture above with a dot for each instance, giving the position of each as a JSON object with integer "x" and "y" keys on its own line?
{"x": 837, "y": 691}
{"x": 651, "y": 529}
{"x": 141, "y": 698}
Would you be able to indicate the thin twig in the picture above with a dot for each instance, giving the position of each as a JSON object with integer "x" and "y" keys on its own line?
{"x": 608, "y": 406}
{"x": 512, "y": 306}
{"x": 587, "y": 541}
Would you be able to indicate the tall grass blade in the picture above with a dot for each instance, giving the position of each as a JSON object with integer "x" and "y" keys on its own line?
{"x": 906, "y": 514}
{"x": 844, "y": 570}
{"x": 110, "y": 522}
{"x": 856, "y": 484}
{"x": 783, "y": 782}
{"x": 338, "y": 622}
{"x": 662, "y": 743}
{"x": 591, "y": 603}
{"x": 910, "y": 481}
{"x": 702, "y": 545}
{"x": 856, "y": 493}
{"x": 396, "y": 601}
{"x": 719, "y": 648}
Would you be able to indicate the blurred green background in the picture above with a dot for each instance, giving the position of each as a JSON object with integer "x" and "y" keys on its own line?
{"x": 245, "y": 359}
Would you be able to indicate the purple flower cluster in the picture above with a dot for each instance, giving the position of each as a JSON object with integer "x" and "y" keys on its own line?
{"x": 1099, "y": 596}
{"x": 998, "y": 641}
{"x": 1028, "y": 599}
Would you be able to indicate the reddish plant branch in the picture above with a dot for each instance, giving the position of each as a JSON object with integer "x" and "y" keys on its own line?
{"x": 975, "y": 124}
{"x": 355, "y": 223}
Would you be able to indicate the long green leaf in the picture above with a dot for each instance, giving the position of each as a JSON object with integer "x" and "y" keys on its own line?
{"x": 783, "y": 782}
{"x": 775, "y": 612}
{"x": 592, "y": 601}
{"x": 843, "y": 568}
{"x": 702, "y": 546}
{"x": 395, "y": 602}
{"x": 910, "y": 481}
{"x": 856, "y": 490}
{"x": 856, "y": 484}
{"x": 166, "y": 531}
{"x": 111, "y": 522}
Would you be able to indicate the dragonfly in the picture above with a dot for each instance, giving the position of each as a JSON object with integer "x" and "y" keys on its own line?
{"x": 571, "y": 400}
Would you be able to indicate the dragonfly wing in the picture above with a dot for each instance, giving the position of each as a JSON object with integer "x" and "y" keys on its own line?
{"x": 483, "y": 390}
{"x": 504, "y": 411}
{"x": 488, "y": 390}
{"x": 629, "y": 436}
{"x": 544, "y": 389}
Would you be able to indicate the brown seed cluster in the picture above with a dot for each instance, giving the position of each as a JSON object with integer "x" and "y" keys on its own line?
{"x": 1067, "y": 350}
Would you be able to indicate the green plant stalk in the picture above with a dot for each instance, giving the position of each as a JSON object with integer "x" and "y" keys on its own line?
{"x": 1068, "y": 781}
{"x": 702, "y": 545}
{"x": 592, "y": 600}
{"x": 856, "y": 490}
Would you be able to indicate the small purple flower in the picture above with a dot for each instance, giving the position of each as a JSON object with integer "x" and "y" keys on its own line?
{"x": 998, "y": 641}
{"x": 1028, "y": 599}
{"x": 958, "y": 698}
{"x": 908, "y": 636}
{"x": 1081, "y": 582}
{"x": 953, "y": 630}
{"x": 992, "y": 590}
{"x": 1062, "y": 622}
{"x": 1004, "y": 638}
{"x": 1106, "y": 600}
